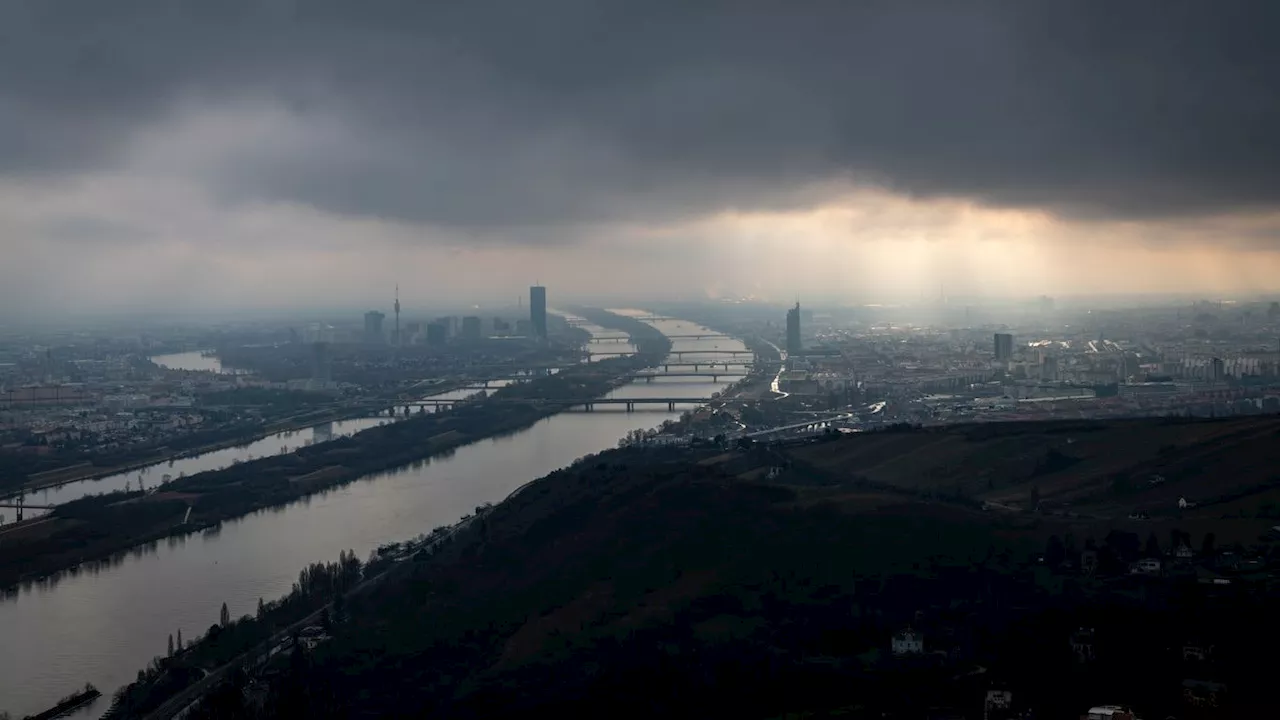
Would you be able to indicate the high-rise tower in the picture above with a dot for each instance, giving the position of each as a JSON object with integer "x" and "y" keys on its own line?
{"x": 1003, "y": 345}
{"x": 793, "y": 331}
{"x": 397, "y": 306}
{"x": 538, "y": 310}
{"x": 373, "y": 328}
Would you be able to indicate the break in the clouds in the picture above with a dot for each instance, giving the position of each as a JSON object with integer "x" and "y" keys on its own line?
{"x": 204, "y": 154}
{"x": 484, "y": 113}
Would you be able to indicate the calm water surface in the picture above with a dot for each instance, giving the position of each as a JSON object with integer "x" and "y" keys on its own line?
{"x": 274, "y": 444}
{"x": 194, "y": 360}
{"x": 102, "y": 626}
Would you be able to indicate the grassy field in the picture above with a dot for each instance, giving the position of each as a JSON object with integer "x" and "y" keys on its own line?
{"x": 1101, "y": 470}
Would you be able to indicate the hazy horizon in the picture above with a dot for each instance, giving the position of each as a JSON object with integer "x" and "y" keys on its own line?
{"x": 285, "y": 156}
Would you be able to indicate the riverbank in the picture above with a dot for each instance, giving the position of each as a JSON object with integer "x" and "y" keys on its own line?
{"x": 322, "y": 595}
{"x": 180, "y": 583}
{"x": 67, "y": 704}
{"x": 86, "y": 471}
{"x": 96, "y": 528}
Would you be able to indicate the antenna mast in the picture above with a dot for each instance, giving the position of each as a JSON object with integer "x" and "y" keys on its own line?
{"x": 399, "y": 342}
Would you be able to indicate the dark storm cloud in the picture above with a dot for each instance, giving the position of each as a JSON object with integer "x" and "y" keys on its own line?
{"x": 481, "y": 113}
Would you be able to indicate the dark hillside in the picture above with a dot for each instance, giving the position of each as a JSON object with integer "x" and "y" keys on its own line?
{"x": 1103, "y": 469}
{"x": 649, "y": 582}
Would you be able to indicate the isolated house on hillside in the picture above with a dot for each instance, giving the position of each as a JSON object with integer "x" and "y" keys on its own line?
{"x": 1193, "y": 651}
{"x": 1146, "y": 566}
{"x": 907, "y": 642}
{"x": 997, "y": 705}
{"x": 1089, "y": 562}
{"x": 1203, "y": 694}
{"x": 1082, "y": 644}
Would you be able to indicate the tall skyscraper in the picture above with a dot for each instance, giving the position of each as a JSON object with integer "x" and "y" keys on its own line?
{"x": 471, "y": 327}
{"x": 793, "y": 331}
{"x": 1004, "y": 346}
{"x": 1049, "y": 368}
{"x": 538, "y": 310}
{"x": 437, "y": 333}
{"x": 320, "y": 368}
{"x": 373, "y": 326}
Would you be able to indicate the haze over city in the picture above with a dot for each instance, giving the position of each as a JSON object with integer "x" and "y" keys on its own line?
{"x": 270, "y": 153}
{"x": 912, "y": 359}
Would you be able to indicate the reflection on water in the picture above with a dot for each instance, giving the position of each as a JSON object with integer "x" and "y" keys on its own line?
{"x": 106, "y": 620}
{"x": 153, "y": 475}
{"x": 277, "y": 443}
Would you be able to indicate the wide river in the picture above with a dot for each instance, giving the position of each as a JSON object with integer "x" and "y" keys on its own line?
{"x": 273, "y": 444}
{"x": 103, "y": 625}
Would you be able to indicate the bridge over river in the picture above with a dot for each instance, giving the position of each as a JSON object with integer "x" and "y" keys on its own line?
{"x": 499, "y": 381}
{"x": 508, "y": 372}
{"x": 589, "y": 405}
{"x": 682, "y": 353}
{"x": 715, "y": 375}
{"x": 674, "y": 336}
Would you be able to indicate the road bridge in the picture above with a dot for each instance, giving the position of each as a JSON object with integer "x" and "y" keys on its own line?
{"x": 800, "y": 427}
{"x": 677, "y": 336}
{"x": 682, "y": 353}
{"x": 709, "y": 364}
{"x": 715, "y": 375}
{"x": 629, "y": 403}
{"x": 19, "y": 502}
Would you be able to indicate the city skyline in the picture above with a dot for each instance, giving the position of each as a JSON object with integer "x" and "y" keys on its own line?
{"x": 510, "y": 359}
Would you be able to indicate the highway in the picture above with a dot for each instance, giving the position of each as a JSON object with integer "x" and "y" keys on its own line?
{"x": 817, "y": 424}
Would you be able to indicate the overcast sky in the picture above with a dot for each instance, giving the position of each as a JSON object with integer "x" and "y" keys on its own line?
{"x": 189, "y": 153}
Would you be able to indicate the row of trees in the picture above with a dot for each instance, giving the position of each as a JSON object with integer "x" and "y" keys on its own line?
{"x": 1126, "y": 547}
{"x": 317, "y": 585}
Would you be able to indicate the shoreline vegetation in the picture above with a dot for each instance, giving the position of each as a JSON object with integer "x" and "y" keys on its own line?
{"x": 235, "y": 437}
{"x": 77, "y": 699}
{"x": 320, "y": 595}
{"x": 97, "y": 528}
